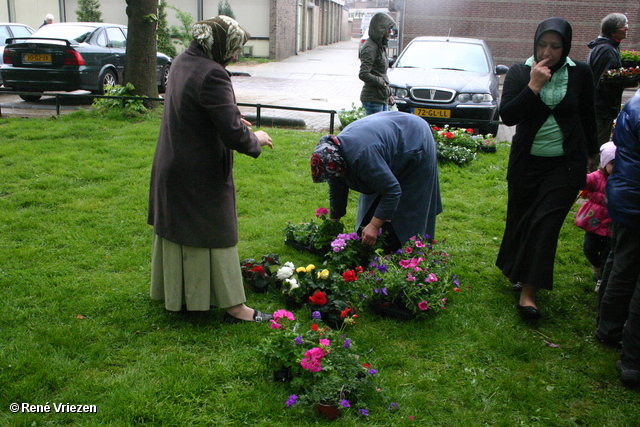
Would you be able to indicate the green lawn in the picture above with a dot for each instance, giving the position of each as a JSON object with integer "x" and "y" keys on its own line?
{"x": 79, "y": 328}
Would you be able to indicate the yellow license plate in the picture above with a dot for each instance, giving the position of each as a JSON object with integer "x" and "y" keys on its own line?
{"x": 36, "y": 57}
{"x": 431, "y": 112}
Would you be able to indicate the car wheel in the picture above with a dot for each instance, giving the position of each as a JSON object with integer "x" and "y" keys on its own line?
{"x": 109, "y": 78}
{"x": 162, "y": 87}
{"x": 30, "y": 98}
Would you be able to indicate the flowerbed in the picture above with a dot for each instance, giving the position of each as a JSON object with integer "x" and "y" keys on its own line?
{"x": 459, "y": 146}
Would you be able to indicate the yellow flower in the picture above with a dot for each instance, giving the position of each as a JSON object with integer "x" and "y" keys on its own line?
{"x": 324, "y": 274}
{"x": 309, "y": 268}
{"x": 301, "y": 270}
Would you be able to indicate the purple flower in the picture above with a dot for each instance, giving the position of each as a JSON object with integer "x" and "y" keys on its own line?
{"x": 384, "y": 291}
{"x": 456, "y": 280}
{"x": 345, "y": 403}
{"x": 291, "y": 400}
{"x": 364, "y": 412}
{"x": 382, "y": 268}
{"x": 372, "y": 371}
{"x": 347, "y": 343}
{"x": 394, "y": 406}
{"x": 316, "y": 315}
{"x": 298, "y": 340}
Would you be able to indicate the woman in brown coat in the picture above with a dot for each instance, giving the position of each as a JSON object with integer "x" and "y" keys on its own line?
{"x": 192, "y": 204}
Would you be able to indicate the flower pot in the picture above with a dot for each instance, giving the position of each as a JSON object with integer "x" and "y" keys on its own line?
{"x": 487, "y": 148}
{"x": 304, "y": 248}
{"x": 283, "y": 375}
{"x": 329, "y": 411}
{"x": 391, "y": 309}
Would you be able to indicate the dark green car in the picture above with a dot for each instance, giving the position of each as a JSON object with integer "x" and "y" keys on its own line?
{"x": 71, "y": 56}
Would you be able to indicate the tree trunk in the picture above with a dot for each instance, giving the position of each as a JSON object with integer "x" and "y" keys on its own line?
{"x": 140, "y": 62}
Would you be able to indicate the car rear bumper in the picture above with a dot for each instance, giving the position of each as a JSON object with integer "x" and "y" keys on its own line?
{"x": 26, "y": 79}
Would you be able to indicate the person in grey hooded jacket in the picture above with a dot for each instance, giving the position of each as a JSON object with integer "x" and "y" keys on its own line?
{"x": 374, "y": 62}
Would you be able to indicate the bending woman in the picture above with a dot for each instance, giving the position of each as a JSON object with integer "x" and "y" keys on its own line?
{"x": 390, "y": 158}
{"x": 549, "y": 98}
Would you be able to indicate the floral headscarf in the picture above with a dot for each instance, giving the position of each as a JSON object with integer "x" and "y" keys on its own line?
{"x": 220, "y": 37}
{"x": 327, "y": 161}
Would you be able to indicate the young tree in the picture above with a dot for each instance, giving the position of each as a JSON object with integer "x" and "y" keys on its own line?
{"x": 164, "y": 37}
{"x": 183, "y": 32}
{"x": 140, "y": 62}
{"x": 89, "y": 11}
{"x": 225, "y": 9}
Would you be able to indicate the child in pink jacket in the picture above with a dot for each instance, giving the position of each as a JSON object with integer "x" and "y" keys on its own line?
{"x": 592, "y": 215}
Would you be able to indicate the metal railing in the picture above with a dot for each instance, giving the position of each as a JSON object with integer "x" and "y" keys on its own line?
{"x": 258, "y": 107}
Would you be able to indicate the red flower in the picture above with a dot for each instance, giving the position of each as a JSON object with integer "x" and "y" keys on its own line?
{"x": 349, "y": 276}
{"x": 436, "y": 128}
{"x": 449, "y": 135}
{"x": 258, "y": 269}
{"x": 366, "y": 365}
{"x": 345, "y": 312}
{"x": 470, "y": 131}
{"x": 359, "y": 269}
{"x": 319, "y": 298}
{"x": 314, "y": 327}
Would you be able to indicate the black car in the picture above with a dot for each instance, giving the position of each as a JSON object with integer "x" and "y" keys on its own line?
{"x": 70, "y": 56}
{"x": 450, "y": 81}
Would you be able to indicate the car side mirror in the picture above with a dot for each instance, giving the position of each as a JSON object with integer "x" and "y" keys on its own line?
{"x": 501, "y": 69}
{"x": 392, "y": 60}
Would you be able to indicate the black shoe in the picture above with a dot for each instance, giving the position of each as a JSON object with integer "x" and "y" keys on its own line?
{"x": 609, "y": 342}
{"x": 258, "y": 316}
{"x": 517, "y": 287}
{"x": 630, "y": 377}
{"x": 529, "y": 313}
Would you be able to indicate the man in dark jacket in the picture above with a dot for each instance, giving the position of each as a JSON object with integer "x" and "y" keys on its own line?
{"x": 619, "y": 314}
{"x": 374, "y": 62}
{"x": 604, "y": 56}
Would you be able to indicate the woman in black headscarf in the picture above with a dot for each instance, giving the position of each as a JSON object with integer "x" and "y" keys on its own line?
{"x": 549, "y": 98}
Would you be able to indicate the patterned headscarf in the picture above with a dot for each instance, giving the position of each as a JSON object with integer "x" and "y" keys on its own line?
{"x": 220, "y": 37}
{"x": 327, "y": 161}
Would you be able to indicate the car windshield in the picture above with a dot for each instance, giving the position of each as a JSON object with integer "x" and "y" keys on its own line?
{"x": 79, "y": 33}
{"x": 444, "y": 55}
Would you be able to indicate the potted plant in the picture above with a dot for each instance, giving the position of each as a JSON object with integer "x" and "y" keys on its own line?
{"x": 259, "y": 275}
{"x": 326, "y": 369}
{"x": 411, "y": 282}
{"x": 630, "y": 58}
{"x": 313, "y": 236}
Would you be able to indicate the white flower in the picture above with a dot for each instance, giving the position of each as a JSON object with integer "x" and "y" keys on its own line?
{"x": 284, "y": 272}
{"x": 293, "y": 283}
{"x": 290, "y": 265}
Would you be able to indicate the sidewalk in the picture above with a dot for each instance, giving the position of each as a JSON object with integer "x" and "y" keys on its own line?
{"x": 323, "y": 78}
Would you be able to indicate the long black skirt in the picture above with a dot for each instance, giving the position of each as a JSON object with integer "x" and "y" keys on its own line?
{"x": 536, "y": 210}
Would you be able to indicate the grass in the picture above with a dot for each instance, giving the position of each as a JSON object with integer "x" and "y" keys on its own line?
{"x": 78, "y": 326}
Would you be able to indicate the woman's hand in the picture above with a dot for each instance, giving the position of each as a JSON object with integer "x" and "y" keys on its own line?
{"x": 370, "y": 232}
{"x": 263, "y": 138}
{"x": 539, "y": 76}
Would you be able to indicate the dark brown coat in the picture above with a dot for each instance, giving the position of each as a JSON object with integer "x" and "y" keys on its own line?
{"x": 192, "y": 198}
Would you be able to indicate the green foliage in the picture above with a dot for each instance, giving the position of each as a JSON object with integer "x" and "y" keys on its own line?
{"x": 78, "y": 325}
{"x": 126, "y": 107}
{"x": 225, "y": 9}
{"x": 89, "y": 11}
{"x": 182, "y": 32}
{"x": 351, "y": 115}
{"x": 630, "y": 55}
{"x": 165, "y": 45}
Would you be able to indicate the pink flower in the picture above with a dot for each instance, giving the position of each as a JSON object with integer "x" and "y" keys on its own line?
{"x": 275, "y": 325}
{"x": 325, "y": 342}
{"x": 419, "y": 244}
{"x": 312, "y": 359}
{"x": 279, "y": 314}
{"x": 410, "y": 278}
{"x": 322, "y": 211}
{"x": 410, "y": 263}
{"x": 417, "y": 269}
{"x": 408, "y": 250}
{"x": 431, "y": 278}
{"x": 424, "y": 305}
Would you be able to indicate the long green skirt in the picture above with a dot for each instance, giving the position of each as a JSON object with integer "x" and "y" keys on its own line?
{"x": 195, "y": 278}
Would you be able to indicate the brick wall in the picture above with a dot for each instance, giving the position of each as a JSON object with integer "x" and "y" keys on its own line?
{"x": 508, "y": 26}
